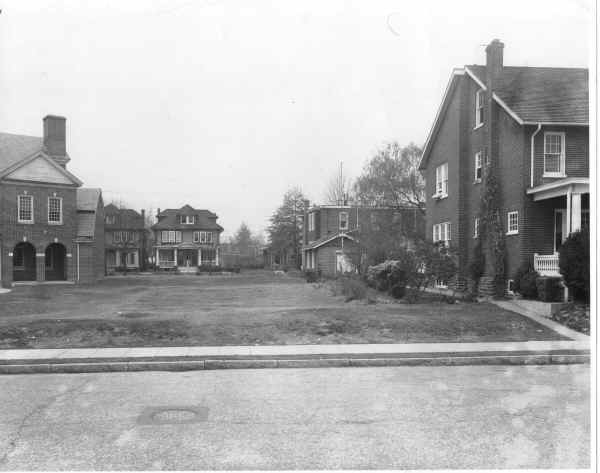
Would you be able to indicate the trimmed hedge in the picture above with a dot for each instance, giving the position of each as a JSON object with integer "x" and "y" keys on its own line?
{"x": 525, "y": 281}
{"x": 548, "y": 289}
{"x": 574, "y": 264}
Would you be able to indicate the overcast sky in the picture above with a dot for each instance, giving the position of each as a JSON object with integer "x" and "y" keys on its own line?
{"x": 225, "y": 104}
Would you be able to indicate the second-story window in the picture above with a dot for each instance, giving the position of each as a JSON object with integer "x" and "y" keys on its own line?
{"x": 311, "y": 222}
{"x": 170, "y": 236}
{"x": 343, "y": 220}
{"x": 441, "y": 180}
{"x": 25, "y": 208}
{"x": 478, "y": 167}
{"x": 441, "y": 232}
{"x": 110, "y": 219}
{"x": 55, "y": 210}
{"x": 479, "y": 102}
{"x": 554, "y": 154}
{"x": 513, "y": 223}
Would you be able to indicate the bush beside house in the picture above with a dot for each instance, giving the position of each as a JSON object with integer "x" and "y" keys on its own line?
{"x": 574, "y": 264}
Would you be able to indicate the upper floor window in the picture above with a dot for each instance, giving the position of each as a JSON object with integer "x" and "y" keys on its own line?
{"x": 25, "y": 209}
{"x": 513, "y": 223}
{"x": 441, "y": 180}
{"x": 311, "y": 222}
{"x": 554, "y": 154}
{"x": 203, "y": 237}
{"x": 170, "y": 236}
{"x": 110, "y": 219}
{"x": 186, "y": 219}
{"x": 441, "y": 232}
{"x": 478, "y": 167}
{"x": 479, "y": 102}
{"x": 343, "y": 220}
{"x": 55, "y": 210}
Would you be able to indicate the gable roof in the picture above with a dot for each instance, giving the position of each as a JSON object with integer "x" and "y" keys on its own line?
{"x": 530, "y": 95}
{"x": 126, "y": 218}
{"x": 543, "y": 94}
{"x": 168, "y": 219}
{"x": 326, "y": 239}
{"x": 87, "y": 199}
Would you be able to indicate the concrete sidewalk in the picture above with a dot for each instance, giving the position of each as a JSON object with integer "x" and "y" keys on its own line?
{"x": 76, "y": 360}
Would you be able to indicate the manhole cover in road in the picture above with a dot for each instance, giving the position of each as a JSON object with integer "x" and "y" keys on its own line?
{"x": 173, "y": 415}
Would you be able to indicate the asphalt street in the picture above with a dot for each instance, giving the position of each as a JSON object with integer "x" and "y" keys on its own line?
{"x": 328, "y": 418}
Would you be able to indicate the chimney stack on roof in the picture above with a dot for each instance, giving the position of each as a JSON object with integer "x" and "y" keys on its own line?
{"x": 494, "y": 59}
{"x": 55, "y": 139}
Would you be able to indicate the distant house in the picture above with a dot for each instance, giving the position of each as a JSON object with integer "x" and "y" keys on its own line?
{"x": 39, "y": 218}
{"x": 528, "y": 128}
{"x": 90, "y": 235}
{"x": 186, "y": 238}
{"x": 332, "y": 234}
{"x": 126, "y": 239}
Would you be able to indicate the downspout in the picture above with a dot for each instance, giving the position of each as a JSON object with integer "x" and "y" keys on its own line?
{"x": 539, "y": 127}
{"x": 77, "y": 261}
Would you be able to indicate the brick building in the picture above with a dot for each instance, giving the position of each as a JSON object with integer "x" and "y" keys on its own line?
{"x": 528, "y": 126}
{"x": 186, "y": 238}
{"x": 89, "y": 265}
{"x": 334, "y": 236}
{"x": 38, "y": 208}
{"x": 126, "y": 239}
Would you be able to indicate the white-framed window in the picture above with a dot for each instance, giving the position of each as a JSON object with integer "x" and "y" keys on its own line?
{"x": 178, "y": 236}
{"x": 171, "y": 236}
{"x": 441, "y": 180}
{"x": 476, "y": 228}
{"x": 25, "y": 208}
{"x": 510, "y": 286}
{"x": 55, "y": 210}
{"x": 478, "y": 167}
{"x": 513, "y": 223}
{"x": 196, "y": 237}
{"x": 311, "y": 222}
{"x": 554, "y": 154}
{"x": 186, "y": 219}
{"x": 442, "y": 232}
{"x": 110, "y": 219}
{"x": 343, "y": 220}
{"x": 117, "y": 237}
{"x": 479, "y": 107}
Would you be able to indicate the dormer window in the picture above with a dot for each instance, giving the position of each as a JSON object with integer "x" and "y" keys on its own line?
{"x": 554, "y": 154}
{"x": 479, "y": 102}
{"x": 111, "y": 219}
{"x": 343, "y": 219}
{"x": 186, "y": 219}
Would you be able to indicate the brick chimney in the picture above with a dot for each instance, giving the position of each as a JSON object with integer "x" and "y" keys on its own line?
{"x": 494, "y": 60}
{"x": 55, "y": 139}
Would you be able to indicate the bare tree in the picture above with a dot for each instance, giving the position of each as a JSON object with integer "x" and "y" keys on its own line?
{"x": 338, "y": 188}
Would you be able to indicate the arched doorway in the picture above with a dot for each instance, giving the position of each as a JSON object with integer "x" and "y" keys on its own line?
{"x": 24, "y": 262}
{"x": 56, "y": 262}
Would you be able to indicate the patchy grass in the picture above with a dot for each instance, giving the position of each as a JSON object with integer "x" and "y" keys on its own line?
{"x": 251, "y": 308}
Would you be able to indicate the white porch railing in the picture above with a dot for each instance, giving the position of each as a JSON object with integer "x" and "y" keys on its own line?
{"x": 546, "y": 265}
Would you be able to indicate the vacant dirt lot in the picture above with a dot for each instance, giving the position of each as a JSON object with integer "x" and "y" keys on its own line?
{"x": 256, "y": 307}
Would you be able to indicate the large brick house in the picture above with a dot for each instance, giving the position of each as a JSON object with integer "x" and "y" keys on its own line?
{"x": 125, "y": 238}
{"x": 39, "y": 219}
{"x": 528, "y": 126}
{"x": 186, "y": 238}
{"x": 334, "y": 235}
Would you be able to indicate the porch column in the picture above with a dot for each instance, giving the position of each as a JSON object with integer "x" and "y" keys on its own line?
{"x": 175, "y": 255}
{"x": 569, "y": 211}
{"x": 117, "y": 258}
{"x": 40, "y": 262}
{"x": 575, "y": 212}
{"x": 217, "y": 256}
{"x": 156, "y": 262}
{"x": 199, "y": 256}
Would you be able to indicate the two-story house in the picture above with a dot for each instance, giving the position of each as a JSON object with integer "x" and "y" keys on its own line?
{"x": 125, "y": 238}
{"x": 39, "y": 219}
{"x": 334, "y": 235}
{"x": 528, "y": 128}
{"x": 186, "y": 238}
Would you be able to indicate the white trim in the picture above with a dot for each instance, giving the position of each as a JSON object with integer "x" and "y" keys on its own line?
{"x": 60, "y": 222}
{"x": 339, "y": 235}
{"x": 508, "y": 225}
{"x": 475, "y": 78}
{"x": 40, "y": 154}
{"x": 508, "y": 109}
{"x": 19, "y": 220}
{"x": 476, "y": 227}
{"x": 532, "y": 152}
{"x": 560, "y": 188}
{"x": 556, "y": 123}
{"x": 455, "y": 72}
{"x": 479, "y": 105}
{"x": 562, "y": 158}
{"x": 477, "y": 127}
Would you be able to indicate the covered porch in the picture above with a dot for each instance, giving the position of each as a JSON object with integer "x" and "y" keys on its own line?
{"x": 173, "y": 257}
{"x": 563, "y": 209}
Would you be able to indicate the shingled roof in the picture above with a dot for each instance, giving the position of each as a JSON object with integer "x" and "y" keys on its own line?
{"x": 543, "y": 94}
{"x": 169, "y": 219}
{"x": 126, "y": 218}
{"x": 15, "y": 148}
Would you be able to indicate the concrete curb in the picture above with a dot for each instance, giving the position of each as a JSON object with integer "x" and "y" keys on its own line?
{"x": 51, "y": 366}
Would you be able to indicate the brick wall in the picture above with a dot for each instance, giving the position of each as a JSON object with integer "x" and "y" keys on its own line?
{"x": 40, "y": 233}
